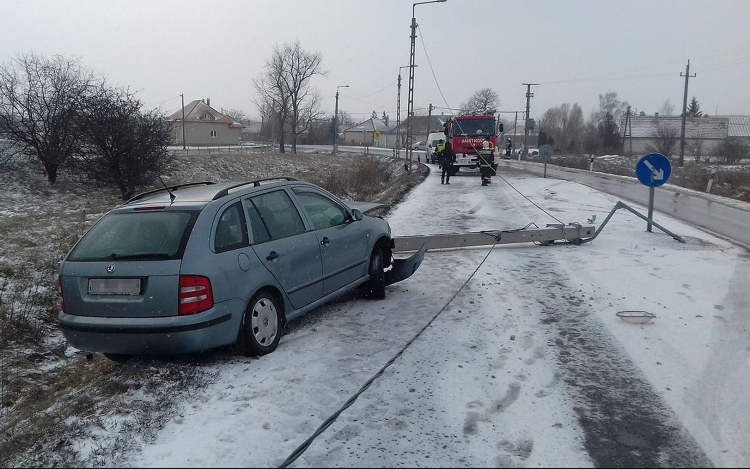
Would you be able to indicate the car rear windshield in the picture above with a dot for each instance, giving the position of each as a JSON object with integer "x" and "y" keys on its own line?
{"x": 155, "y": 235}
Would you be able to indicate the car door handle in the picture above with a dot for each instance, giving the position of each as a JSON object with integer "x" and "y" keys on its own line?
{"x": 325, "y": 241}
{"x": 272, "y": 256}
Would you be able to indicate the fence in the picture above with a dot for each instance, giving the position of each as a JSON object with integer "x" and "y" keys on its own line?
{"x": 223, "y": 150}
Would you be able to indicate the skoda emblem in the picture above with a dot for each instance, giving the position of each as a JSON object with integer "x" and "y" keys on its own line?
{"x": 111, "y": 269}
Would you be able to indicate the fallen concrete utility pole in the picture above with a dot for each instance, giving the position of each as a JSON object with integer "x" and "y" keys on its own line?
{"x": 572, "y": 233}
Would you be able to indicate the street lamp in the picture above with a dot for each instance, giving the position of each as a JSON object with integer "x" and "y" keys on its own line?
{"x": 410, "y": 111}
{"x": 398, "y": 113}
{"x": 335, "y": 120}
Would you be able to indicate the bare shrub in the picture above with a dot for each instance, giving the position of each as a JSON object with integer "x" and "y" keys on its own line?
{"x": 732, "y": 151}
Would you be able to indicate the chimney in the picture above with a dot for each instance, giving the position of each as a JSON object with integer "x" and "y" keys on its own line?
{"x": 208, "y": 101}
{"x": 386, "y": 121}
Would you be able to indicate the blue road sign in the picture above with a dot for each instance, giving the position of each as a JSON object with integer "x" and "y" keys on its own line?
{"x": 653, "y": 170}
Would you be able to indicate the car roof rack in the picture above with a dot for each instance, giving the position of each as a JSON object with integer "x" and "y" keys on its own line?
{"x": 168, "y": 189}
{"x": 255, "y": 183}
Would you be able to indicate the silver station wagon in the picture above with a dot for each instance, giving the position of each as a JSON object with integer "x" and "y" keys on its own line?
{"x": 202, "y": 265}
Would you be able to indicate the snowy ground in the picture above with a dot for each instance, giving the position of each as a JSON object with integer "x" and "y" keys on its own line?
{"x": 512, "y": 356}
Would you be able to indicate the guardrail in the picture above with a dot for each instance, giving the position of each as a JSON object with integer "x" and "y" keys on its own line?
{"x": 718, "y": 215}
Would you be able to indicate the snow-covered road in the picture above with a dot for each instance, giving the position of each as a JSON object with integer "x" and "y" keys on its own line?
{"x": 518, "y": 358}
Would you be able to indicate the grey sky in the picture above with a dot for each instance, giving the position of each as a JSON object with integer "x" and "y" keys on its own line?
{"x": 575, "y": 49}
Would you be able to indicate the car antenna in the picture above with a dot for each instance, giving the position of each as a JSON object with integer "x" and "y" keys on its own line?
{"x": 171, "y": 195}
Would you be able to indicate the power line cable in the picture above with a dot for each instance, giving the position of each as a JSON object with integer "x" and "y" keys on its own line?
{"x": 330, "y": 420}
{"x": 373, "y": 94}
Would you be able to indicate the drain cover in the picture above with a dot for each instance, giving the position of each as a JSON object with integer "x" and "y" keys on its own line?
{"x": 636, "y": 317}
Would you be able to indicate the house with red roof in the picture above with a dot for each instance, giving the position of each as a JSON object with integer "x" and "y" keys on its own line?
{"x": 204, "y": 126}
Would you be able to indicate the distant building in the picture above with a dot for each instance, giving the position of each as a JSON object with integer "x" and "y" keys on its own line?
{"x": 204, "y": 126}
{"x": 367, "y": 133}
{"x": 642, "y": 134}
{"x": 421, "y": 127}
{"x": 739, "y": 129}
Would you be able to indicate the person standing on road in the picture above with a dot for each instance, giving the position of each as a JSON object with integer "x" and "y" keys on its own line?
{"x": 486, "y": 160}
{"x": 508, "y": 147}
{"x": 447, "y": 158}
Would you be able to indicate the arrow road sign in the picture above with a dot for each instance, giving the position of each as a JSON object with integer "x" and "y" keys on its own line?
{"x": 653, "y": 170}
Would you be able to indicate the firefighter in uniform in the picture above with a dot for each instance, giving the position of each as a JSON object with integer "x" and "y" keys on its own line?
{"x": 508, "y": 148}
{"x": 486, "y": 161}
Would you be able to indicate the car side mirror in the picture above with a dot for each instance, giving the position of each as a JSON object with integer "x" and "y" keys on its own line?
{"x": 357, "y": 214}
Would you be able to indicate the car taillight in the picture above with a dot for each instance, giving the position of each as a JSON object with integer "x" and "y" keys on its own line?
{"x": 195, "y": 294}
{"x": 60, "y": 289}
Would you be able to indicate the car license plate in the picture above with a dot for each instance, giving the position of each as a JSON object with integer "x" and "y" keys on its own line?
{"x": 115, "y": 286}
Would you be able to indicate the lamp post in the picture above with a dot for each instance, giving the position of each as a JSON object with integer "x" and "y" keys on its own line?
{"x": 410, "y": 111}
{"x": 398, "y": 113}
{"x": 335, "y": 120}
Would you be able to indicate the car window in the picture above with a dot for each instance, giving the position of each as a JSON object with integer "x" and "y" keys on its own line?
{"x": 258, "y": 229}
{"x": 323, "y": 212}
{"x": 279, "y": 214}
{"x": 153, "y": 235}
{"x": 231, "y": 231}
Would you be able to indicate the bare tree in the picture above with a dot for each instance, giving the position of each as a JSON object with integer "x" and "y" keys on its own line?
{"x": 39, "y": 100}
{"x": 609, "y": 103}
{"x": 482, "y": 102}
{"x": 285, "y": 89}
{"x": 695, "y": 146}
{"x": 300, "y": 67}
{"x": 274, "y": 98}
{"x": 124, "y": 146}
{"x": 666, "y": 139}
{"x": 564, "y": 124}
{"x": 236, "y": 115}
{"x": 667, "y": 109}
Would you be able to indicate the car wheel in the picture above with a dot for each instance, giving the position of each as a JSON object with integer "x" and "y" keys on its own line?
{"x": 262, "y": 325}
{"x": 117, "y": 357}
{"x": 376, "y": 285}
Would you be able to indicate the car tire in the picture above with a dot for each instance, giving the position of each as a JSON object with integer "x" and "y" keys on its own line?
{"x": 117, "y": 357}
{"x": 261, "y": 326}
{"x": 375, "y": 287}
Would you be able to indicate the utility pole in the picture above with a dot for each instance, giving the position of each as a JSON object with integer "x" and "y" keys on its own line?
{"x": 429, "y": 119}
{"x": 410, "y": 109}
{"x": 529, "y": 94}
{"x": 335, "y": 121}
{"x": 399, "y": 143}
{"x": 625, "y": 132}
{"x": 515, "y": 124}
{"x": 184, "y": 147}
{"x": 684, "y": 114}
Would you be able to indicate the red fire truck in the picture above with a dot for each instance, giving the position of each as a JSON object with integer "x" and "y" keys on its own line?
{"x": 466, "y": 134}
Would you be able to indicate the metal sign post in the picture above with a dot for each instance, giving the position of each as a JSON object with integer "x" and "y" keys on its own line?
{"x": 653, "y": 170}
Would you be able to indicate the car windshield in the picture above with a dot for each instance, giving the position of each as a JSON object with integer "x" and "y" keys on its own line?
{"x": 136, "y": 236}
{"x": 474, "y": 127}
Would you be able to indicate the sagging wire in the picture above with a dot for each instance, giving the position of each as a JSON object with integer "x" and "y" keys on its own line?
{"x": 448, "y": 106}
{"x": 329, "y": 421}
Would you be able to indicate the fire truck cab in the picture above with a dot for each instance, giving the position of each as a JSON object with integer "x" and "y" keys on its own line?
{"x": 466, "y": 134}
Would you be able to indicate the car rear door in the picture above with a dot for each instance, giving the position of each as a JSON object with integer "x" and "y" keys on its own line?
{"x": 286, "y": 248}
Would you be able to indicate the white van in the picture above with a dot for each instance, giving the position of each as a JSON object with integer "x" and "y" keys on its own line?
{"x": 435, "y": 143}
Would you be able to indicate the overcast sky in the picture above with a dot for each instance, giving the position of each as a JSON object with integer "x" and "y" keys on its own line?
{"x": 574, "y": 49}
